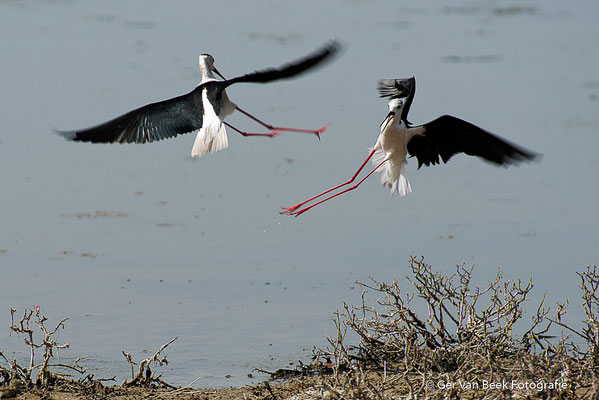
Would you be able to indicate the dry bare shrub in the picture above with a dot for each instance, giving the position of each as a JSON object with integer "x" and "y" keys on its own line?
{"x": 144, "y": 376}
{"x": 589, "y": 284}
{"x": 47, "y": 344}
{"x": 465, "y": 338}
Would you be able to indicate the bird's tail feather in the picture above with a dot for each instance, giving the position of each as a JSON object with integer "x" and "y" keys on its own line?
{"x": 210, "y": 138}
{"x": 392, "y": 175}
{"x": 402, "y": 184}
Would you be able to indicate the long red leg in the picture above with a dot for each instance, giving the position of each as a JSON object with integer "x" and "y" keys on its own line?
{"x": 271, "y": 134}
{"x": 303, "y": 210}
{"x": 290, "y": 210}
{"x": 279, "y": 129}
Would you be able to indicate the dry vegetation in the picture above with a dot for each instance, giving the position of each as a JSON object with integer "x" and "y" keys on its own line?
{"x": 465, "y": 344}
{"x": 443, "y": 339}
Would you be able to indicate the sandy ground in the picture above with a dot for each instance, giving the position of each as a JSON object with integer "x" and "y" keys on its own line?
{"x": 301, "y": 388}
{"x": 345, "y": 386}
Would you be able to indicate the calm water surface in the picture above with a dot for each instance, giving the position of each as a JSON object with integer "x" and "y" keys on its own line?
{"x": 200, "y": 250}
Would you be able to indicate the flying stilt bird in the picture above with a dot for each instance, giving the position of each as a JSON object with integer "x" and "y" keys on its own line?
{"x": 203, "y": 109}
{"x": 441, "y": 138}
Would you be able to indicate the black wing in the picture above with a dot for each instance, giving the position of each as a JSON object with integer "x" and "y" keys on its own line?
{"x": 449, "y": 135}
{"x": 152, "y": 122}
{"x": 398, "y": 89}
{"x": 292, "y": 69}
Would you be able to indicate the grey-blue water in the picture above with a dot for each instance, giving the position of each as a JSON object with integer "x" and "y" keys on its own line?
{"x": 201, "y": 251}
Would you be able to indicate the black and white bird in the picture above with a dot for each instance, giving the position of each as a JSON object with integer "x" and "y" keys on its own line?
{"x": 430, "y": 143}
{"x": 203, "y": 109}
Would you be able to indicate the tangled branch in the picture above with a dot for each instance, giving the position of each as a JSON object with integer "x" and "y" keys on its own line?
{"x": 465, "y": 334}
{"x": 144, "y": 375}
{"x": 47, "y": 344}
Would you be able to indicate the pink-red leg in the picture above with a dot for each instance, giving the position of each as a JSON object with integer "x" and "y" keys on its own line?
{"x": 303, "y": 210}
{"x": 278, "y": 129}
{"x": 271, "y": 134}
{"x": 290, "y": 210}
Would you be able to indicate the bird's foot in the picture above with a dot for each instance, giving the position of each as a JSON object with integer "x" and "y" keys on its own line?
{"x": 292, "y": 210}
{"x": 321, "y": 130}
{"x": 300, "y": 212}
{"x": 287, "y": 210}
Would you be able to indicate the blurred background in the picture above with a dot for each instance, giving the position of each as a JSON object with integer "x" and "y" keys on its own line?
{"x": 140, "y": 243}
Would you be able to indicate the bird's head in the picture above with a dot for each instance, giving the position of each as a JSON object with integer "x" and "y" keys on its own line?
{"x": 207, "y": 67}
{"x": 395, "y": 106}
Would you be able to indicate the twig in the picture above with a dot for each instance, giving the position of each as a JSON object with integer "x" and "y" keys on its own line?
{"x": 144, "y": 376}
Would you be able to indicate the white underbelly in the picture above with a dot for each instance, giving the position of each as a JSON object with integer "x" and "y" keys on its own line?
{"x": 210, "y": 117}
{"x": 393, "y": 143}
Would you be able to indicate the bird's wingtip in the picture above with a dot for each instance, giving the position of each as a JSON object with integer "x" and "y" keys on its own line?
{"x": 526, "y": 155}
{"x": 67, "y": 135}
{"x": 335, "y": 46}
{"x": 519, "y": 158}
{"x": 534, "y": 157}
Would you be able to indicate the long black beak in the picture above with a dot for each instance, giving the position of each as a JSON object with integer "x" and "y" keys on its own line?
{"x": 387, "y": 119}
{"x": 218, "y": 73}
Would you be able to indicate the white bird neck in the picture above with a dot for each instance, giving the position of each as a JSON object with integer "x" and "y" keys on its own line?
{"x": 206, "y": 69}
{"x": 396, "y": 120}
{"x": 397, "y": 116}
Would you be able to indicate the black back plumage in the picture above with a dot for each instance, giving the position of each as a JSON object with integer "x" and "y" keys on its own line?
{"x": 184, "y": 114}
